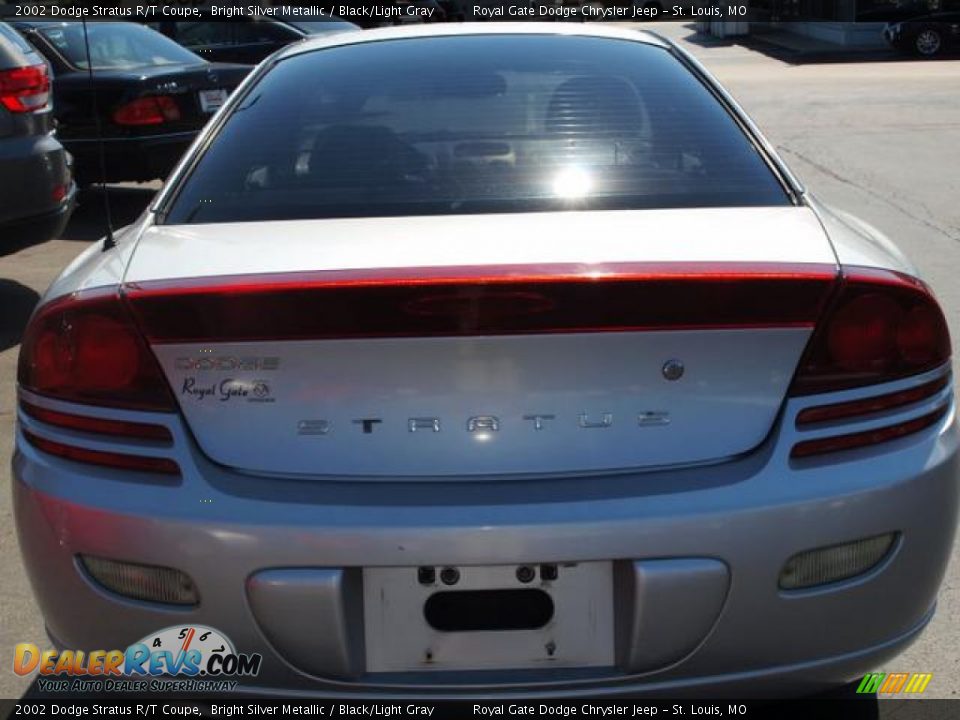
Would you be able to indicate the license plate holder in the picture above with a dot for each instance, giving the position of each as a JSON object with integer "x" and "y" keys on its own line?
{"x": 399, "y": 638}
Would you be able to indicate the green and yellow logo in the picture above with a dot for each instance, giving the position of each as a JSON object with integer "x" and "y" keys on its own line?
{"x": 893, "y": 683}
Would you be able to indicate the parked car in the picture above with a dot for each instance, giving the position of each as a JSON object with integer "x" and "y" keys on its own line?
{"x": 891, "y": 13}
{"x": 147, "y": 99}
{"x": 248, "y": 39}
{"x": 531, "y": 371}
{"x": 38, "y": 189}
{"x": 927, "y": 35}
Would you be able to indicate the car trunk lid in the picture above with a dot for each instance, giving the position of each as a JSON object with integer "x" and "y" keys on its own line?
{"x": 488, "y": 345}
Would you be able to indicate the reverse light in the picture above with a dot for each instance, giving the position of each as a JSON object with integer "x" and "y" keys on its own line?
{"x": 152, "y": 583}
{"x": 85, "y": 348}
{"x": 25, "y": 89}
{"x": 150, "y": 110}
{"x": 835, "y": 563}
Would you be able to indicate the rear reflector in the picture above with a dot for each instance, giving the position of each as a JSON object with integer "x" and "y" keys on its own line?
{"x": 25, "y": 89}
{"x": 481, "y": 301}
{"x": 152, "y": 583}
{"x": 121, "y": 461}
{"x": 99, "y": 426}
{"x": 870, "y": 406}
{"x": 834, "y": 563}
{"x": 836, "y": 443}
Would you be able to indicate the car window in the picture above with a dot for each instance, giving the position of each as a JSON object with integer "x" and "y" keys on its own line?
{"x": 257, "y": 31}
{"x": 486, "y": 124}
{"x": 115, "y": 45}
{"x": 203, "y": 34}
{"x": 14, "y": 38}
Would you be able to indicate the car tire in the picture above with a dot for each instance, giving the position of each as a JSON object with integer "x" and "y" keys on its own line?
{"x": 928, "y": 42}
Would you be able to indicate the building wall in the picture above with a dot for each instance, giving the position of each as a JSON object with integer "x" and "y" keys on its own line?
{"x": 861, "y": 34}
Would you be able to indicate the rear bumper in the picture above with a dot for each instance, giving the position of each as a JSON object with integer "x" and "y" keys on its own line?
{"x": 772, "y": 681}
{"x": 129, "y": 159}
{"x": 43, "y": 227}
{"x": 38, "y": 190}
{"x": 747, "y": 517}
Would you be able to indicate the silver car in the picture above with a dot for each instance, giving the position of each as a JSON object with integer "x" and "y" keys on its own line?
{"x": 500, "y": 360}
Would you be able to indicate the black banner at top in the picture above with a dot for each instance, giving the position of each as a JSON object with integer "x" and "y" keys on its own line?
{"x": 394, "y": 11}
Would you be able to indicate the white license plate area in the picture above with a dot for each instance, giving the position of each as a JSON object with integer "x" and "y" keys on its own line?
{"x": 399, "y": 638}
{"x": 211, "y": 100}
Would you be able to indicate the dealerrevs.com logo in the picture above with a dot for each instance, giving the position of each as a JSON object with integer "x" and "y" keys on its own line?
{"x": 176, "y": 659}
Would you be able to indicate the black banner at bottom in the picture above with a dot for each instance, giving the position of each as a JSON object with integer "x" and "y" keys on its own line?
{"x": 582, "y": 709}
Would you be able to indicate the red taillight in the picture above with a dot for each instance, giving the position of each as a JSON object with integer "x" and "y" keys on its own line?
{"x": 870, "y": 406}
{"x": 483, "y": 300}
{"x": 85, "y": 348}
{"x": 25, "y": 89}
{"x": 866, "y": 438}
{"x": 121, "y": 461}
{"x": 882, "y": 326}
{"x": 151, "y": 110}
{"x": 98, "y": 426}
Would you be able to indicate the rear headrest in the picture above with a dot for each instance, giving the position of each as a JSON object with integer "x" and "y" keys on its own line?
{"x": 360, "y": 154}
{"x": 593, "y": 105}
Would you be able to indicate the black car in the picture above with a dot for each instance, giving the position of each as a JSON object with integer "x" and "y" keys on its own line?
{"x": 143, "y": 103}
{"x": 894, "y": 12}
{"x": 38, "y": 190}
{"x": 927, "y": 35}
{"x": 248, "y": 39}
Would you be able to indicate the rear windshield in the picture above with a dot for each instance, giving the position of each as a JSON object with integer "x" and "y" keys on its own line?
{"x": 11, "y": 36}
{"x": 475, "y": 124}
{"x": 115, "y": 45}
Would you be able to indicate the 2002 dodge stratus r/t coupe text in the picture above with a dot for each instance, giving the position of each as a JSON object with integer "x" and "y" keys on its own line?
{"x": 530, "y": 369}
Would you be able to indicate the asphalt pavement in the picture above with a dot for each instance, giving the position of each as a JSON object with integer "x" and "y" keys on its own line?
{"x": 880, "y": 139}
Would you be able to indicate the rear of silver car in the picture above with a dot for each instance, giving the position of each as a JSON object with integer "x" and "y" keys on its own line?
{"x": 454, "y": 447}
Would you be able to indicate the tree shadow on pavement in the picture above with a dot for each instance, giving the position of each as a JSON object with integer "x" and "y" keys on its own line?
{"x": 88, "y": 222}
{"x": 17, "y": 302}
